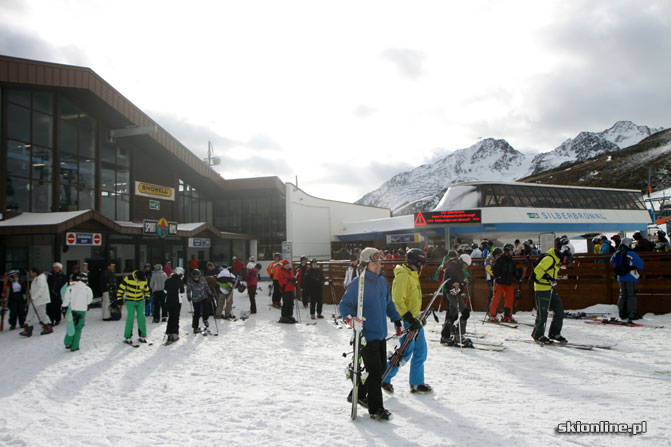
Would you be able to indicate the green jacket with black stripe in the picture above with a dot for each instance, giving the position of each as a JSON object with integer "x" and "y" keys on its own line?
{"x": 135, "y": 289}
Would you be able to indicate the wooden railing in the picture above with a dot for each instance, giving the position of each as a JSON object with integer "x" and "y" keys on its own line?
{"x": 589, "y": 280}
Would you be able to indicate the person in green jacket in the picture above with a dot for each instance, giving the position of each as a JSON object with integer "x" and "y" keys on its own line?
{"x": 547, "y": 297}
{"x": 406, "y": 293}
{"x": 136, "y": 290}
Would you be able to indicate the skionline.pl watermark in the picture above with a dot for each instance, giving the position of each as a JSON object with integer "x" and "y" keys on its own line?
{"x": 602, "y": 427}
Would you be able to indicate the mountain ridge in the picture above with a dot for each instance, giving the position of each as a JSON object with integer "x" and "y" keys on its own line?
{"x": 494, "y": 159}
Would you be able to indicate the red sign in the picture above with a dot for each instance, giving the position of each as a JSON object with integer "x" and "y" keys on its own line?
{"x": 448, "y": 217}
{"x": 96, "y": 239}
{"x": 71, "y": 239}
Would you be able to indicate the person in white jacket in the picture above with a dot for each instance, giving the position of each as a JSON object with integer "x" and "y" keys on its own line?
{"x": 78, "y": 296}
{"x": 38, "y": 298}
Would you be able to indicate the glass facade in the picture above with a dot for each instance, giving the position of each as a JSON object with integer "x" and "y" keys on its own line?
{"x": 115, "y": 182}
{"x": 264, "y": 217}
{"x": 30, "y": 148}
{"x": 77, "y": 163}
{"x": 193, "y": 206}
{"x": 526, "y": 196}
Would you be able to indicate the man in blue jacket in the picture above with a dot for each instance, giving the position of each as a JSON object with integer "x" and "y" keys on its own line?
{"x": 377, "y": 304}
{"x": 626, "y": 264}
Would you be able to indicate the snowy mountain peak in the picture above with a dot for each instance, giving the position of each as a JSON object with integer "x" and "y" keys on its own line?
{"x": 495, "y": 160}
{"x": 626, "y": 133}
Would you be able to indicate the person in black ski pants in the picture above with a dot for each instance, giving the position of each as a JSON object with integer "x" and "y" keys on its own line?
{"x": 377, "y": 304}
{"x": 16, "y": 291}
{"x": 174, "y": 288}
{"x": 199, "y": 293}
{"x": 313, "y": 281}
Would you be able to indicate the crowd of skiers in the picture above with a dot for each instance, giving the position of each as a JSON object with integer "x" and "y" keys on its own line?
{"x": 44, "y": 298}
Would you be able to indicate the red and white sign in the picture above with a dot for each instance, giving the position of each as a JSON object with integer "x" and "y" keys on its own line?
{"x": 90, "y": 239}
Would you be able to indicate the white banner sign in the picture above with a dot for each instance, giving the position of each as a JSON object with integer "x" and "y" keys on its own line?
{"x": 199, "y": 242}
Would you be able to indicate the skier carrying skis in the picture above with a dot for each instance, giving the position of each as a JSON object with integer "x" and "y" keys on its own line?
{"x": 377, "y": 304}
{"x": 108, "y": 287}
{"x": 78, "y": 296}
{"x": 547, "y": 297}
{"x": 406, "y": 293}
{"x": 453, "y": 273}
{"x": 174, "y": 290}
{"x": 136, "y": 291}
{"x": 225, "y": 281}
{"x": 199, "y": 293}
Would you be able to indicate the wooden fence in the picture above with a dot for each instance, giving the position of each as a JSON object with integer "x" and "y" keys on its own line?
{"x": 589, "y": 280}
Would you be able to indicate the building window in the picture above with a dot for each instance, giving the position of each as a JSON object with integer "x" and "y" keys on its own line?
{"x": 115, "y": 182}
{"x": 30, "y": 130}
{"x": 193, "y": 207}
{"x": 77, "y": 164}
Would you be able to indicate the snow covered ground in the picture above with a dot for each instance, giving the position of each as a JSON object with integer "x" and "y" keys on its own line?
{"x": 263, "y": 383}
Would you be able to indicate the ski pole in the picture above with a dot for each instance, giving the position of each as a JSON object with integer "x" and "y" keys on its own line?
{"x": 214, "y": 315}
{"x": 470, "y": 302}
{"x": 38, "y": 315}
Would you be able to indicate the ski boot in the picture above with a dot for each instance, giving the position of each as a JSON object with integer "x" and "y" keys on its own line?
{"x": 387, "y": 387}
{"x": 361, "y": 399}
{"x": 27, "y": 331}
{"x": 559, "y": 339}
{"x": 421, "y": 389}
{"x": 197, "y": 330}
{"x": 447, "y": 341}
{"x": 46, "y": 329}
{"x": 382, "y": 415}
{"x": 543, "y": 340}
{"x": 493, "y": 319}
{"x": 142, "y": 340}
{"x": 509, "y": 320}
{"x": 466, "y": 342}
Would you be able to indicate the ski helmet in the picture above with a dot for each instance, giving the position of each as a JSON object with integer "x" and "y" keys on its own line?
{"x": 497, "y": 252}
{"x": 313, "y": 261}
{"x": 415, "y": 257}
{"x": 564, "y": 240}
{"x": 474, "y": 246}
{"x": 466, "y": 259}
{"x": 637, "y": 236}
{"x": 627, "y": 242}
{"x": 179, "y": 271}
{"x": 304, "y": 258}
{"x": 661, "y": 233}
{"x": 285, "y": 262}
{"x": 195, "y": 273}
{"x": 277, "y": 255}
{"x": 370, "y": 254}
{"x": 508, "y": 247}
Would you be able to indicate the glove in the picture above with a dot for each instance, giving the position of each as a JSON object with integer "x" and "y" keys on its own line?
{"x": 399, "y": 327}
{"x": 415, "y": 325}
{"x": 64, "y": 310}
{"x": 354, "y": 323}
{"x": 553, "y": 283}
{"x": 455, "y": 291}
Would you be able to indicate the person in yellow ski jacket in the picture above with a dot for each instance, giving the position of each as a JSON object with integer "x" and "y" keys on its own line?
{"x": 136, "y": 290}
{"x": 545, "y": 280}
{"x": 406, "y": 293}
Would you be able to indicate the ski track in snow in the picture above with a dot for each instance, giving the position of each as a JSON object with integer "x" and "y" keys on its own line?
{"x": 264, "y": 383}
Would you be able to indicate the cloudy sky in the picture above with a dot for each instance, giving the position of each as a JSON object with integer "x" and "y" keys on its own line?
{"x": 344, "y": 94}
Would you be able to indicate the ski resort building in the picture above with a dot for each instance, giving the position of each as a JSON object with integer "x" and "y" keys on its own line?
{"x": 86, "y": 176}
{"x": 505, "y": 211}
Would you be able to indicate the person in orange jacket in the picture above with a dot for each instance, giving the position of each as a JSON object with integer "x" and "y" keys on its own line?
{"x": 287, "y": 284}
{"x": 273, "y": 270}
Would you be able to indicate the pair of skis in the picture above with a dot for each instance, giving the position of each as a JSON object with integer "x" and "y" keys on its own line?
{"x": 617, "y": 322}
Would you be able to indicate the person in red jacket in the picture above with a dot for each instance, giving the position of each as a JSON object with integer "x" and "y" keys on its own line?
{"x": 287, "y": 285}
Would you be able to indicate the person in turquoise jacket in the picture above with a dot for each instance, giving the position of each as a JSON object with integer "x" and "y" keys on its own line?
{"x": 407, "y": 295}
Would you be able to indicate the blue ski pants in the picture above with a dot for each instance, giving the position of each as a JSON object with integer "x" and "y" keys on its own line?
{"x": 415, "y": 352}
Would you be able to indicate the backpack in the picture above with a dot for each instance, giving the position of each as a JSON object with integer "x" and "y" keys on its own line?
{"x": 621, "y": 263}
{"x": 532, "y": 277}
